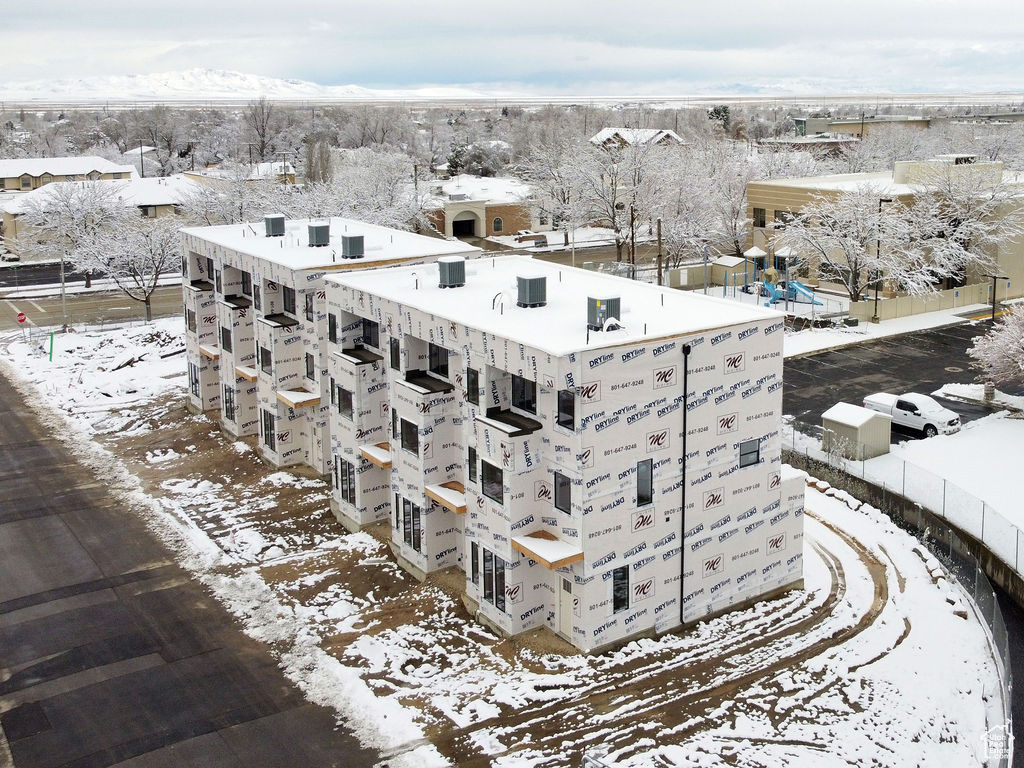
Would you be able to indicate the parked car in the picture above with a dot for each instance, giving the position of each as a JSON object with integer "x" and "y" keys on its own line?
{"x": 914, "y": 411}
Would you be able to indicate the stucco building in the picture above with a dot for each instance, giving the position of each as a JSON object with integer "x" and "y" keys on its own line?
{"x": 475, "y": 206}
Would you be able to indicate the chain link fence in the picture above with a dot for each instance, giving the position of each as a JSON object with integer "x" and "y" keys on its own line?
{"x": 934, "y": 510}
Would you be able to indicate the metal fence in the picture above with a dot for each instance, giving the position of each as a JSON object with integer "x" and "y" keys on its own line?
{"x": 932, "y": 509}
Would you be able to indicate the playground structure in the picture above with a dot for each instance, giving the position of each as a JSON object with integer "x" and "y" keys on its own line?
{"x": 793, "y": 290}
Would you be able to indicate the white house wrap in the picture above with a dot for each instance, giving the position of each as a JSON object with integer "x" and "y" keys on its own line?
{"x": 600, "y": 475}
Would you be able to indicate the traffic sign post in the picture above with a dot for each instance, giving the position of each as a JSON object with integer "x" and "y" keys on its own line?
{"x": 22, "y": 317}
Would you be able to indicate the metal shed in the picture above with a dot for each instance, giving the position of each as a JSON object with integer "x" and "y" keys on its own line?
{"x": 855, "y": 432}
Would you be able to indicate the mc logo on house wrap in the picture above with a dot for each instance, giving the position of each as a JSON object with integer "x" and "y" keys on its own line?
{"x": 656, "y": 441}
{"x": 590, "y": 393}
{"x": 642, "y": 520}
{"x": 542, "y": 491}
{"x": 734, "y": 363}
{"x": 507, "y": 459}
{"x": 776, "y": 543}
{"x": 514, "y": 593}
{"x": 774, "y": 480}
{"x": 713, "y": 566}
{"x": 714, "y": 498}
{"x": 284, "y": 437}
{"x": 586, "y": 458}
{"x": 728, "y": 422}
{"x": 643, "y": 590}
{"x": 664, "y": 377}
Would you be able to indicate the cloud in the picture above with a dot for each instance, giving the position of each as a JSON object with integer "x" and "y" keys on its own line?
{"x": 876, "y": 45}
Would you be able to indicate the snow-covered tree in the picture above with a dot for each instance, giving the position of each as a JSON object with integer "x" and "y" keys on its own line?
{"x": 1000, "y": 352}
{"x": 133, "y": 252}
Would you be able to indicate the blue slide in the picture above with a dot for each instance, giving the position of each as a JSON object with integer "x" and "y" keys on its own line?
{"x": 773, "y": 293}
{"x": 797, "y": 288}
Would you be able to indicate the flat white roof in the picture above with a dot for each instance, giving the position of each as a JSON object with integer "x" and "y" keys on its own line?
{"x": 169, "y": 190}
{"x": 293, "y": 250}
{"x": 487, "y": 302}
{"x": 851, "y": 415}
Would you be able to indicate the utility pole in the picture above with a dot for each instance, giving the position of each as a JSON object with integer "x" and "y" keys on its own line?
{"x": 659, "y": 250}
{"x": 632, "y": 239}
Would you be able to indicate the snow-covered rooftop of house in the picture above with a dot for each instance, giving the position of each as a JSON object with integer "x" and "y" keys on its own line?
{"x": 380, "y": 244}
{"x": 490, "y": 189}
{"x": 59, "y": 166}
{"x": 169, "y": 190}
{"x": 635, "y": 135}
{"x": 271, "y": 170}
{"x": 880, "y": 181}
{"x": 488, "y": 302}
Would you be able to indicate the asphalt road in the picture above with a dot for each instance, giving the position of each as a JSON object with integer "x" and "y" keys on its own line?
{"x": 95, "y": 307}
{"x": 917, "y": 362}
{"x": 110, "y": 655}
{"x": 18, "y": 275}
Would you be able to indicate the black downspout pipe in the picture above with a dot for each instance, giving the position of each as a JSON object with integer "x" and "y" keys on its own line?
{"x": 682, "y": 485}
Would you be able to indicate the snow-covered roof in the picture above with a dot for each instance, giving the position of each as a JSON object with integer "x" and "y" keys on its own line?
{"x": 851, "y": 415}
{"x": 271, "y": 170}
{"x": 881, "y": 181}
{"x": 169, "y": 190}
{"x": 380, "y": 244}
{"x": 59, "y": 166}
{"x": 635, "y": 135}
{"x": 648, "y": 312}
{"x": 491, "y": 189}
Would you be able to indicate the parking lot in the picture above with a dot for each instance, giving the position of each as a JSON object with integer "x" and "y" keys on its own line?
{"x": 918, "y": 362}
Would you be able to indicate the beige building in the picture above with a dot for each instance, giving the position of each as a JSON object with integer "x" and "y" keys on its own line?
{"x": 154, "y": 198}
{"x": 28, "y": 173}
{"x": 474, "y": 206}
{"x": 771, "y": 203}
{"x": 858, "y": 127}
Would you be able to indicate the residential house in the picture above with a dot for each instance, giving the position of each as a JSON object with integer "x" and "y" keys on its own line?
{"x": 600, "y": 457}
{"x": 621, "y": 137}
{"x": 27, "y": 173}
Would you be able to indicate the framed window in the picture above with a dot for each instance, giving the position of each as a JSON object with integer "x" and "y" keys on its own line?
{"x": 26, "y": 182}
{"x": 345, "y": 402}
{"x": 472, "y": 386}
{"x": 209, "y": 268}
{"x": 348, "y": 481}
{"x": 493, "y": 482}
{"x": 395, "y": 351}
{"x": 309, "y": 306}
{"x": 567, "y": 409}
{"x": 750, "y": 452}
{"x": 407, "y": 521}
{"x": 216, "y": 281}
{"x": 246, "y": 284}
{"x": 334, "y": 393}
{"x": 256, "y": 296}
{"x": 563, "y": 493}
{"x": 371, "y": 333}
{"x": 225, "y": 339}
{"x": 410, "y": 437}
{"x": 497, "y": 225}
{"x": 266, "y": 361}
{"x": 437, "y": 360}
{"x": 412, "y": 525}
{"x": 269, "y": 423}
{"x": 310, "y": 367}
{"x": 499, "y": 583}
{"x": 474, "y": 559}
{"x": 337, "y": 463}
{"x": 524, "y": 394}
{"x": 398, "y": 512}
{"x": 394, "y": 423}
{"x": 620, "y": 589}
{"x": 488, "y": 576}
{"x": 471, "y": 464}
{"x": 184, "y": 261}
{"x": 288, "y": 299}
{"x": 190, "y": 320}
{"x": 193, "y": 379}
{"x": 759, "y": 218}
{"x": 644, "y": 482}
{"x": 332, "y": 328}
{"x": 148, "y": 211}
{"x": 782, "y": 218}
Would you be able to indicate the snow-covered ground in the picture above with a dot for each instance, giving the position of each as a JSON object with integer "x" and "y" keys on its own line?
{"x": 879, "y": 660}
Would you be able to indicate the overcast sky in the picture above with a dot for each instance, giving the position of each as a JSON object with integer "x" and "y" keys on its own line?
{"x": 553, "y": 46}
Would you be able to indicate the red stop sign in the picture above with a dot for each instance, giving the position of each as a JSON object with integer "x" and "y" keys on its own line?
{"x": 22, "y": 317}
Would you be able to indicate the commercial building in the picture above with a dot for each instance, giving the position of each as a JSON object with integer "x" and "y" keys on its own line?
{"x": 475, "y": 206}
{"x": 257, "y": 323}
{"x": 601, "y": 457}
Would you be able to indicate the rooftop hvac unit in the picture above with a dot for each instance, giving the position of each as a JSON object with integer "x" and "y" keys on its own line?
{"x": 533, "y": 291}
{"x": 452, "y": 271}
{"x": 319, "y": 235}
{"x": 599, "y": 310}
{"x": 352, "y": 247}
{"x": 274, "y": 224}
